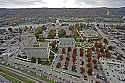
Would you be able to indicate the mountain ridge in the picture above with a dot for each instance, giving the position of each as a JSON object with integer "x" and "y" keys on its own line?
{"x": 72, "y": 12}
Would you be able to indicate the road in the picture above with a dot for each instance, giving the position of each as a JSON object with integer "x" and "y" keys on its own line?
{"x": 19, "y": 73}
{"x": 3, "y": 80}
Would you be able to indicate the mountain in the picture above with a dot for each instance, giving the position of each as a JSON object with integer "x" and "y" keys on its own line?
{"x": 75, "y": 12}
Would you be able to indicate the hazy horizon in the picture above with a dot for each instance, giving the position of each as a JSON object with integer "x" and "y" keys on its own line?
{"x": 58, "y": 7}
{"x": 61, "y": 3}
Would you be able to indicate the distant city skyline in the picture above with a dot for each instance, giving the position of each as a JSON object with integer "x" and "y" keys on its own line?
{"x": 61, "y": 3}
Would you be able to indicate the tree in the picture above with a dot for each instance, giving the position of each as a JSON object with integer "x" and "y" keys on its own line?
{"x": 98, "y": 25}
{"x": 82, "y": 70}
{"x": 69, "y": 49}
{"x": 89, "y": 52}
{"x": 20, "y": 30}
{"x": 94, "y": 61}
{"x": 33, "y": 60}
{"x": 74, "y": 68}
{"x": 97, "y": 81}
{"x": 71, "y": 27}
{"x": 89, "y": 65}
{"x": 39, "y": 30}
{"x": 39, "y": 60}
{"x": 102, "y": 50}
{"x": 75, "y": 28}
{"x": 89, "y": 71}
{"x": 61, "y": 57}
{"x": 37, "y": 36}
{"x": 55, "y": 49}
{"x": 63, "y": 50}
{"x": 25, "y": 29}
{"x": 81, "y": 26}
{"x": 119, "y": 58}
{"x": 108, "y": 54}
{"x": 98, "y": 44}
{"x": 41, "y": 39}
{"x": 95, "y": 66}
{"x": 10, "y": 29}
{"x": 44, "y": 27}
{"x": 110, "y": 48}
{"x": 51, "y": 34}
{"x": 105, "y": 41}
{"x": 67, "y": 58}
{"x": 51, "y": 57}
{"x": 53, "y": 44}
{"x": 58, "y": 65}
{"x": 66, "y": 65}
{"x": 89, "y": 59}
{"x": 62, "y": 33}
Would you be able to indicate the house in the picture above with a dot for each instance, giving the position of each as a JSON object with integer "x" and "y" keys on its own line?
{"x": 113, "y": 70}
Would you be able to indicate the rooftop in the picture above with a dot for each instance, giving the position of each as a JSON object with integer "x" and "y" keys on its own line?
{"x": 66, "y": 42}
{"x": 114, "y": 70}
{"x": 37, "y": 52}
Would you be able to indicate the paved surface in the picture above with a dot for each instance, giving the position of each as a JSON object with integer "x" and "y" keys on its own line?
{"x": 23, "y": 75}
{"x": 3, "y": 80}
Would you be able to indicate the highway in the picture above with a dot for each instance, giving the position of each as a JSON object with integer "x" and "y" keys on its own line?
{"x": 3, "y": 80}
{"x": 19, "y": 73}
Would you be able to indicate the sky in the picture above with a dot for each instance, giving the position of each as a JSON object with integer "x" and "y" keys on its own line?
{"x": 61, "y": 3}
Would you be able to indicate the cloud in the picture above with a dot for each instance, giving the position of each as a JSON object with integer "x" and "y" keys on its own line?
{"x": 103, "y": 3}
{"x": 21, "y": 3}
{"x": 54, "y": 3}
{"x": 60, "y": 3}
